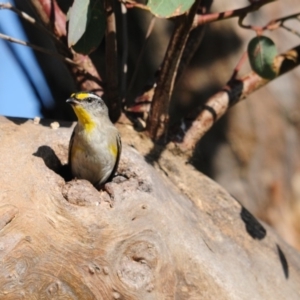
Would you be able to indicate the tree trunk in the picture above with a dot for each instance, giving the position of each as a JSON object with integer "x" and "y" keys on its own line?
{"x": 146, "y": 236}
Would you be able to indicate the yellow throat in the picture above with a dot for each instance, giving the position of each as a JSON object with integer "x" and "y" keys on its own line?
{"x": 84, "y": 118}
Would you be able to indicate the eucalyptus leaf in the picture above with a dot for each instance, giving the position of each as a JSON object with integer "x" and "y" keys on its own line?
{"x": 78, "y": 16}
{"x": 262, "y": 52}
{"x": 169, "y": 8}
{"x": 94, "y": 27}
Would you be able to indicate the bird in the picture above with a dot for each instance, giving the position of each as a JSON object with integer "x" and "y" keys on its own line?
{"x": 95, "y": 145}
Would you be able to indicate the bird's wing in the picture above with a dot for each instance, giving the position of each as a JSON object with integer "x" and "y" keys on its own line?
{"x": 119, "y": 147}
{"x": 70, "y": 148}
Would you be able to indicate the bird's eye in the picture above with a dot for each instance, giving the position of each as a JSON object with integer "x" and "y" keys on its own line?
{"x": 89, "y": 100}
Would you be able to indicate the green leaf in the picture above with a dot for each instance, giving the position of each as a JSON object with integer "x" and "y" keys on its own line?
{"x": 262, "y": 52}
{"x": 78, "y": 20}
{"x": 169, "y": 8}
{"x": 88, "y": 25}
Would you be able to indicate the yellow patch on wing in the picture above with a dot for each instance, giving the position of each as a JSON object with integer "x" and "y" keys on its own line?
{"x": 113, "y": 148}
{"x": 80, "y": 96}
{"x": 84, "y": 118}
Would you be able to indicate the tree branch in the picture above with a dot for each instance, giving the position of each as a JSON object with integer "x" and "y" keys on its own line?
{"x": 40, "y": 49}
{"x": 274, "y": 24}
{"x": 159, "y": 113}
{"x": 209, "y": 18}
{"x": 51, "y": 15}
{"x": 235, "y": 91}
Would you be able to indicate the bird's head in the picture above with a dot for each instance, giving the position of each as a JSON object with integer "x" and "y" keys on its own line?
{"x": 88, "y": 108}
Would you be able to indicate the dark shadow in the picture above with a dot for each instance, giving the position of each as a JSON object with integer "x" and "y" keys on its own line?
{"x": 253, "y": 227}
{"x": 234, "y": 89}
{"x": 155, "y": 152}
{"x": 290, "y": 61}
{"x": 44, "y": 122}
{"x": 283, "y": 261}
{"x": 216, "y": 45}
{"x": 17, "y": 120}
{"x": 47, "y": 123}
{"x": 204, "y": 154}
{"x": 52, "y": 162}
{"x": 208, "y": 145}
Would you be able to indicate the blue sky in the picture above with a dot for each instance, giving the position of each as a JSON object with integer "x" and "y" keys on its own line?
{"x": 17, "y": 97}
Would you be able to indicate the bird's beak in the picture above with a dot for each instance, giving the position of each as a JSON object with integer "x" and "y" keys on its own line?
{"x": 73, "y": 101}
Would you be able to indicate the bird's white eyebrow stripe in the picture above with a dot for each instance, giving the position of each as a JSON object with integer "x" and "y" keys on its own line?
{"x": 93, "y": 96}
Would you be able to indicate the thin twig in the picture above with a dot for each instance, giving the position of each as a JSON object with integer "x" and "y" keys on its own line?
{"x": 272, "y": 25}
{"x": 30, "y": 20}
{"x": 239, "y": 65}
{"x": 293, "y": 31}
{"x": 209, "y": 18}
{"x": 40, "y": 49}
{"x": 235, "y": 91}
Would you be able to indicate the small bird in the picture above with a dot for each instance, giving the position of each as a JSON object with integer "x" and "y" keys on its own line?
{"x": 95, "y": 144}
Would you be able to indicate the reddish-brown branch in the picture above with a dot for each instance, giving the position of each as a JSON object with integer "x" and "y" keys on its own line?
{"x": 235, "y": 91}
{"x": 159, "y": 113}
{"x": 209, "y": 18}
{"x": 272, "y": 25}
{"x": 239, "y": 65}
{"x": 51, "y": 15}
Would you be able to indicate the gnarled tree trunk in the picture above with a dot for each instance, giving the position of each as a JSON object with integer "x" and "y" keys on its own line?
{"x": 146, "y": 236}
